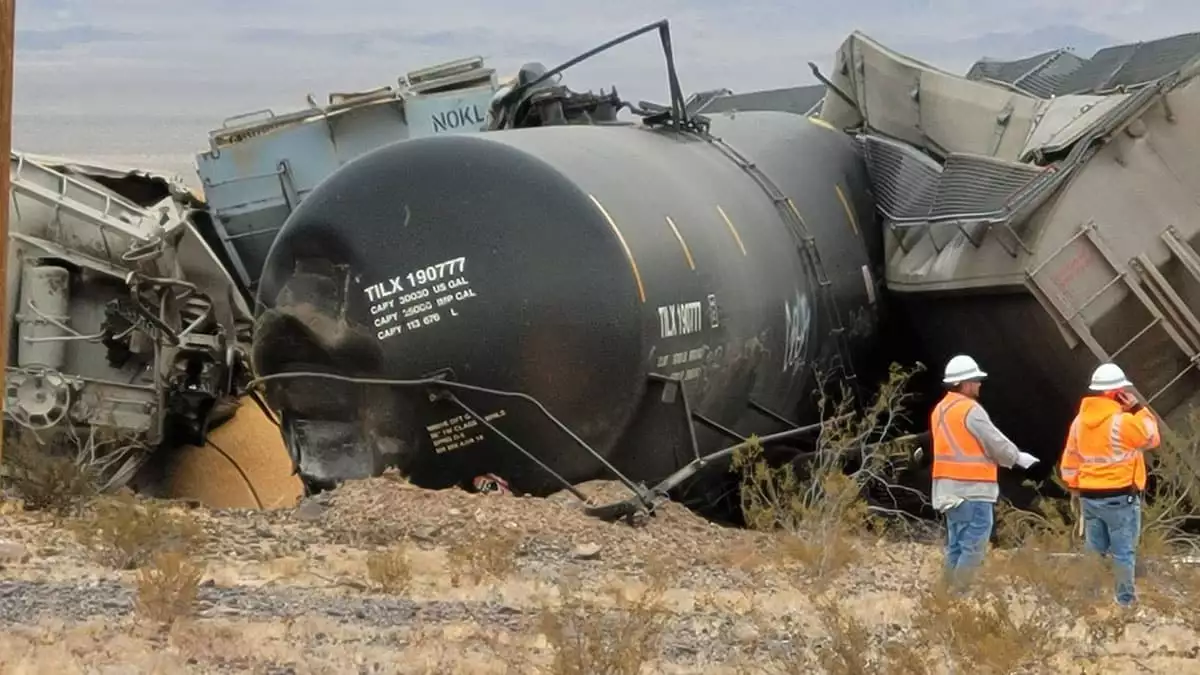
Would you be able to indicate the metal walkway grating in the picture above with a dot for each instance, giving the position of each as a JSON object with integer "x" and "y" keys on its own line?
{"x": 1061, "y": 72}
{"x": 912, "y": 188}
{"x": 1042, "y": 75}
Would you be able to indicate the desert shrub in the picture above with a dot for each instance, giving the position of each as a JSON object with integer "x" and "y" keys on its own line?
{"x": 985, "y": 633}
{"x": 982, "y": 634}
{"x": 125, "y": 532}
{"x": 816, "y": 504}
{"x": 59, "y": 471}
{"x": 489, "y": 554}
{"x": 1171, "y": 515}
{"x": 849, "y": 646}
{"x": 46, "y": 477}
{"x": 587, "y": 639}
{"x": 167, "y": 586}
{"x": 390, "y": 570}
{"x": 843, "y": 653}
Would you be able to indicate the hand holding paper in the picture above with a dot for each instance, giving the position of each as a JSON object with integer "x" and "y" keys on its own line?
{"x": 1026, "y": 460}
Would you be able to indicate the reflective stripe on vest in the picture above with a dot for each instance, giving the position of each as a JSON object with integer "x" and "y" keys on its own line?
{"x": 1067, "y": 474}
{"x": 1091, "y": 474}
{"x": 950, "y": 458}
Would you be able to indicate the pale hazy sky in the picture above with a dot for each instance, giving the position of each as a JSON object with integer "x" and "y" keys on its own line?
{"x": 198, "y": 61}
{"x": 102, "y": 52}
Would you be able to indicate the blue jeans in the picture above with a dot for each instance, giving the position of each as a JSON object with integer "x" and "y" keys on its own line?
{"x": 968, "y": 529}
{"x": 1112, "y": 526}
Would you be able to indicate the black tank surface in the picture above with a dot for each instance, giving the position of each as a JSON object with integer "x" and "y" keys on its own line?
{"x": 569, "y": 264}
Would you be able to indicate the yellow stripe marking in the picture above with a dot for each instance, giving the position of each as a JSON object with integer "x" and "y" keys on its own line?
{"x": 686, "y": 253}
{"x": 732, "y": 229}
{"x": 848, "y": 208}
{"x": 821, "y": 123}
{"x": 637, "y": 277}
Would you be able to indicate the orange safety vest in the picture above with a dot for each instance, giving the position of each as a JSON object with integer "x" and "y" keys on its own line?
{"x": 1105, "y": 444}
{"x": 957, "y": 454}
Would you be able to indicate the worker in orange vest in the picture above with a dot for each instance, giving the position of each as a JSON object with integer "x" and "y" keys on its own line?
{"x": 967, "y": 448}
{"x": 1103, "y": 464}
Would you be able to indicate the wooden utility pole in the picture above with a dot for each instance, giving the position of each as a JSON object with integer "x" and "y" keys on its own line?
{"x": 8, "y": 20}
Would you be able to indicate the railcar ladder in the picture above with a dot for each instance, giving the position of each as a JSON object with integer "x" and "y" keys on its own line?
{"x": 1170, "y": 314}
{"x": 807, "y": 245}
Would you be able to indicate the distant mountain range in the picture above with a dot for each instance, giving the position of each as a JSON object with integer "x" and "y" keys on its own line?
{"x": 947, "y": 53}
{"x": 109, "y": 55}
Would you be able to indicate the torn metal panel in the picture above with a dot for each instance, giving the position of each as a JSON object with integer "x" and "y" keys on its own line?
{"x": 163, "y": 193}
{"x": 1066, "y": 119}
{"x": 914, "y": 102}
{"x": 1018, "y": 111}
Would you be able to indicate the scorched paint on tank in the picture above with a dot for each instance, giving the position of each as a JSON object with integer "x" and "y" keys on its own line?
{"x": 572, "y": 264}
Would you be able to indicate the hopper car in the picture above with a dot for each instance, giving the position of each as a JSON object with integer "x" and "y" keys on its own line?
{"x": 1041, "y": 215}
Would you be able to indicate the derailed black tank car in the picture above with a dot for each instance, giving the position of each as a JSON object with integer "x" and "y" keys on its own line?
{"x": 573, "y": 264}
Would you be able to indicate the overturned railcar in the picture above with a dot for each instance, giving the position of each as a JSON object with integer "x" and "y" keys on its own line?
{"x": 127, "y": 340}
{"x": 1041, "y": 215}
{"x": 563, "y": 303}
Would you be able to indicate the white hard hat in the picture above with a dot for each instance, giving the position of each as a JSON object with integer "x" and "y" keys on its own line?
{"x": 962, "y": 368}
{"x": 1108, "y": 376}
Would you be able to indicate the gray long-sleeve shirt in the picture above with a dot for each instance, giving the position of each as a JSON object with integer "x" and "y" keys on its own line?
{"x": 948, "y": 492}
